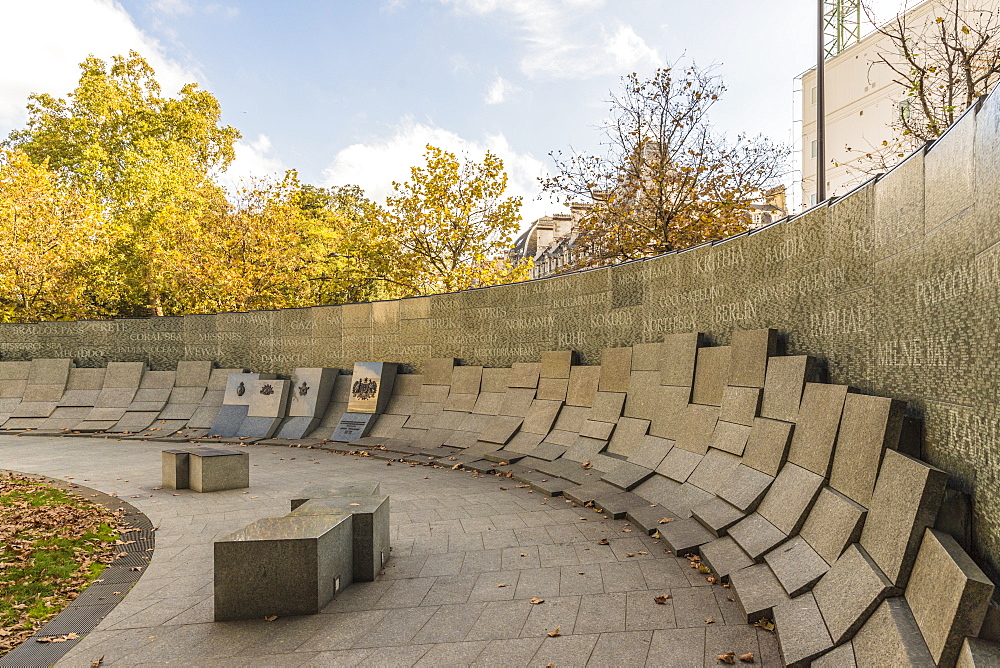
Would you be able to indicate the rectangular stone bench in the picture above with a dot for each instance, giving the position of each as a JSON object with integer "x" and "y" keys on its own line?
{"x": 332, "y": 490}
{"x": 205, "y": 469}
{"x": 370, "y": 529}
{"x": 291, "y": 565}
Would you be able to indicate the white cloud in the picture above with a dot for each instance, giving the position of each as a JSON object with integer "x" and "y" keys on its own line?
{"x": 375, "y": 165}
{"x": 499, "y": 90}
{"x": 253, "y": 160}
{"x": 73, "y": 29}
{"x": 172, "y": 6}
{"x": 568, "y": 38}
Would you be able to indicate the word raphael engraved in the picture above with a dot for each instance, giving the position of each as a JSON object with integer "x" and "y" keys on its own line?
{"x": 364, "y": 389}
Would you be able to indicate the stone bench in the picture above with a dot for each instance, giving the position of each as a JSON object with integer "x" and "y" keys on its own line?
{"x": 205, "y": 469}
{"x": 370, "y": 528}
{"x": 291, "y": 565}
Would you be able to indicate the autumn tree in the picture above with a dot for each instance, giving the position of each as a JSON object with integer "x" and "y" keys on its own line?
{"x": 149, "y": 159}
{"x": 664, "y": 179}
{"x": 942, "y": 61}
{"x": 50, "y": 239}
{"x": 448, "y": 228}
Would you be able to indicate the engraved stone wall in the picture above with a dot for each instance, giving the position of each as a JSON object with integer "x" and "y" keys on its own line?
{"x": 895, "y": 286}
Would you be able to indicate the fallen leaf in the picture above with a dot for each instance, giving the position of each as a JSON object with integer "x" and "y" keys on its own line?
{"x": 502, "y": 584}
{"x": 270, "y": 618}
{"x": 710, "y": 579}
{"x": 665, "y": 520}
{"x": 536, "y": 601}
{"x": 641, "y": 552}
{"x": 603, "y": 541}
{"x": 661, "y": 599}
{"x": 554, "y": 633}
{"x": 630, "y": 554}
{"x": 728, "y": 657}
{"x": 765, "y": 624}
{"x": 710, "y": 620}
{"x": 354, "y": 504}
{"x": 96, "y": 663}
{"x": 747, "y": 658}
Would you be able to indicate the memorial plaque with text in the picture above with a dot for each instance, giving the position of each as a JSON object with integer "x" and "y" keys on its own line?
{"x": 371, "y": 387}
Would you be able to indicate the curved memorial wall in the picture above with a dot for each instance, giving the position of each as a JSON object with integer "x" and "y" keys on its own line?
{"x": 893, "y": 289}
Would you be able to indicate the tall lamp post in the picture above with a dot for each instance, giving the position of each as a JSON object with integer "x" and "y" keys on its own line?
{"x": 820, "y": 105}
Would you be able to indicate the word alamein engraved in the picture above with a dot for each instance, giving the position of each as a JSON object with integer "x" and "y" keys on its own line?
{"x": 267, "y": 390}
{"x": 364, "y": 389}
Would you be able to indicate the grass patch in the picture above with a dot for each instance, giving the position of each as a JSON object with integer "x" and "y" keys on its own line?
{"x": 52, "y": 545}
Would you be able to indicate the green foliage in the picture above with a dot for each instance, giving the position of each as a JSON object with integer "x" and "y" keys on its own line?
{"x": 452, "y": 224}
{"x": 109, "y": 208}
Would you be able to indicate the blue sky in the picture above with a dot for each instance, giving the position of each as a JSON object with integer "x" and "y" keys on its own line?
{"x": 349, "y": 91}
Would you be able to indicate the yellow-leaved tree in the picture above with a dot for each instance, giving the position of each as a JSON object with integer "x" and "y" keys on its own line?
{"x": 448, "y": 228}
{"x": 51, "y": 233}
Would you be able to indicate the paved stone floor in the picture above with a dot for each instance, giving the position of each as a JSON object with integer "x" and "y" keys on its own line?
{"x": 456, "y": 539}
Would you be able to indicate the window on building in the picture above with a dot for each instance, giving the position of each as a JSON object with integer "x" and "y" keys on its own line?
{"x": 812, "y": 199}
{"x": 813, "y": 95}
{"x": 812, "y": 149}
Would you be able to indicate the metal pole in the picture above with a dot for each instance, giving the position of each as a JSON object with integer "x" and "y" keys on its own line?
{"x": 820, "y": 109}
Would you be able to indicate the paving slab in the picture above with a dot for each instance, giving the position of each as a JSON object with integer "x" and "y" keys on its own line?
{"x": 767, "y": 445}
{"x": 677, "y": 363}
{"x": 790, "y": 498}
{"x": 583, "y": 382}
{"x": 438, "y": 370}
{"x": 714, "y": 470}
{"x": 745, "y": 488}
{"x": 796, "y": 565}
{"x": 627, "y": 476}
{"x": 756, "y": 536}
{"x": 717, "y": 516}
{"x": 891, "y": 638}
{"x": 650, "y": 451}
{"x": 524, "y": 375}
{"x": 616, "y": 369}
{"x": 801, "y": 631}
{"x": 838, "y": 657}
{"x": 627, "y": 436}
{"x": 869, "y": 426}
{"x": 552, "y": 388}
{"x": 556, "y": 363}
{"x": 679, "y": 464}
{"x": 697, "y": 425}
{"x": 740, "y": 405}
{"x": 757, "y": 591}
{"x": 834, "y": 522}
{"x": 724, "y": 557}
{"x": 466, "y": 379}
{"x": 730, "y": 437}
{"x": 668, "y": 415}
{"x": 711, "y": 375}
{"x": 750, "y": 352}
{"x": 948, "y": 595}
{"x": 978, "y": 653}
{"x": 906, "y": 500}
{"x": 850, "y": 591}
{"x": 494, "y": 380}
{"x": 685, "y": 535}
{"x": 598, "y": 430}
{"x": 783, "y": 386}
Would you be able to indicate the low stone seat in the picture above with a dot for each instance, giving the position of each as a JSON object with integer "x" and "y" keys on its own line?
{"x": 327, "y": 491}
{"x": 291, "y": 565}
{"x": 176, "y": 466}
{"x": 370, "y": 529}
{"x": 213, "y": 469}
